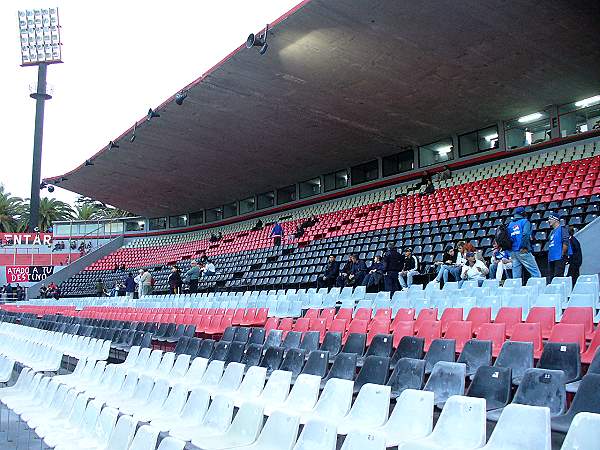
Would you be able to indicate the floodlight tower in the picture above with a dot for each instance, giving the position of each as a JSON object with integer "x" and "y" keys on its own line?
{"x": 39, "y": 31}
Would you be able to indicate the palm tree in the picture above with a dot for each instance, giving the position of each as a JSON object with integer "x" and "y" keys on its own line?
{"x": 87, "y": 211}
{"x": 12, "y": 211}
{"x": 51, "y": 210}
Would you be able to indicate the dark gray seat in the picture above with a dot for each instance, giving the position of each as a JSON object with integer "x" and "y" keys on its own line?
{"x": 310, "y": 341}
{"x": 440, "y": 350}
{"x": 292, "y": 340}
{"x": 409, "y": 347}
{"x": 446, "y": 379}
{"x": 332, "y": 343}
{"x": 228, "y": 334}
{"x": 562, "y": 356}
{"x": 587, "y": 399}
{"x": 274, "y": 338}
{"x": 408, "y": 374}
{"x": 206, "y": 348}
{"x": 193, "y": 347}
{"x": 355, "y": 343}
{"x": 256, "y": 336}
{"x": 252, "y": 355}
{"x": 181, "y": 345}
{"x": 518, "y": 356}
{"x": 375, "y": 370}
{"x": 492, "y": 383}
{"x": 476, "y": 353}
{"x": 344, "y": 367}
{"x": 539, "y": 387}
{"x": 317, "y": 363}
{"x": 220, "y": 351}
{"x": 236, "y": 352}
{"x": 381, "y": 345}
{"x": 241, "y": 334}
{"x": 293, "y": 361}
{"x": 272, "y": 359}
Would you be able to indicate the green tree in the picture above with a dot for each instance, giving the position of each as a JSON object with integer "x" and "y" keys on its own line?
{"x": 87, "y": 211}
{"x": 103, "y": 211}
{"x": 12, "y": 212}
{"x": 51, "y": 210}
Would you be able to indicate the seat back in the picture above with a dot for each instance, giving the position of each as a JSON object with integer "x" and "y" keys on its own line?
{"x": 542, "y": 387}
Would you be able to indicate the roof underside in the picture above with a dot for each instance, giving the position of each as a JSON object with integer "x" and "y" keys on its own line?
{"x": 344, "y": 81}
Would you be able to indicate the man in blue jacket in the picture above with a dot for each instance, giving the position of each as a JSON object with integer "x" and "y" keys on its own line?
{"x": 559, "y": 248}
{"x": 129, "y": 286}
{"x": 520, "y": 235}
{"x": 277, "y": 234}
{"x": 329, "y": 276}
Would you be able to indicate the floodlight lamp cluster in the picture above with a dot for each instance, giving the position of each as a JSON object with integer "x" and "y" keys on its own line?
{"x": 258, "y": 41}
{"x": 40, "y": 36}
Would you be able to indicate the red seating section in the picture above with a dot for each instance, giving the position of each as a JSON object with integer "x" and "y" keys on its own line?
{"x": 552, "y": 183}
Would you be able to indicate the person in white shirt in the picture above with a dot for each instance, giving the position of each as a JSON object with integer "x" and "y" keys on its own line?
{"x": 138, "y": 281}
{"x": 473, "y": 269}
{"x": 208, "y": 269}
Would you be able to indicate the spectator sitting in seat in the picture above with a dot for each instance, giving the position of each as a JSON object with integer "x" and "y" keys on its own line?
{"x": 409, "y": 269}
{"x": 445, "y": 174}
{"x": 449, "y": 265}
{"x": 474, "y": 269}
{"x": 330, "y": 274}
{"x": 191, "y": 277}
{"x": 213, "y": 237}
{"x": 429, "y": 187}
{"x": 208, "y": 269}
{"x": 575, "y": 260}
{"x": 356, "y": 271}
{"x": 375, "y": 275}
{"x": 500, "y": 263}
{"x": 43, "y": 291}
{"x": 519, "y": 229}
{"x": 299, "y": 232}
{"x": 100, "y": 289}
{"x": 258, "y": 226}
{"x": 120, "y": 289}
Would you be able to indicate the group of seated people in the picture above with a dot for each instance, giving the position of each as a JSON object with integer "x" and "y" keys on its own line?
{"x": 301, "y": 228}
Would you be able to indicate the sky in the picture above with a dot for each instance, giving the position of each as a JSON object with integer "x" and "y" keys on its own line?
{"x": 120, "y": 58}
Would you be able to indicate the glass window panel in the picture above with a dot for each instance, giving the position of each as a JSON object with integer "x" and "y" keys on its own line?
{"x": 230, "y": 210}
{"x": 436, "y": 152}
{"x": 395, "y": 164}
{"x": 365, "y": 172}
{"x": 134, "y": 225}
{"x": 196, "y": 218}
{"x": 265, "y": 200}
{"x": 478, "y": 141}
{"x": 214, "y": 214}
{"x": 178, "y": 221}
{"x": 310, "y": 187}
{"x": 286, "y": 194}
{"x": 62, "y": 230}
{"x": 158, "y": 223}
{"x": 336, "y": 180}
{"x": 247, "y": 205}
{"x": 527, "y": 130}
{"x": 580, "y": 121}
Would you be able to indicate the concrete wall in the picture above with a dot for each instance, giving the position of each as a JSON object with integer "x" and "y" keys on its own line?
{"x": 589, "y": 237}
{"x": 77, "y": 266}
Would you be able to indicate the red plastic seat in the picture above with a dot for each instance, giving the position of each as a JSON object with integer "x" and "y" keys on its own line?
{"x": 529, "y": 332}
{"x": 261, "y": 317}
{"x": 461, "y": 331}
{"x": 580, "y": 314}
{"x": 319, "y": 325}
{"x": 587, "y": 357}
{"x": 404, "y": 315}
{"x": 478, "y": 316}
{"x": 569, "y": 333}
{"x": 312, "y": 313}
{"x": 214, "y": 325}
{"x": 238, "y": 316}
{"x": 339, "y": 326}
{"x": 377, "y": 327}
{"x": 495, "y": 332}
{"x": 545, "y": 316}
{"x": 383, "y": 313}
{"x": 450, "y": 315}
{"x": 249, "y": 317}
{"x": 400, "y": 329}
{"x": 363, "y": 314}
{"x": 509, "y": 316}
{"x": 430, "y": 330}
{"x": 302, "y": 324}
{"x": 328, "y": 314}
{"x": 345, "y": 313}
{"x": 357, "y": 326}
{"x": 272, "y": 323}
{"x": 429, "y": 314}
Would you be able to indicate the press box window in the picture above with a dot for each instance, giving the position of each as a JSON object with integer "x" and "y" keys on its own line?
{"x": 335, "y": 180}
{"x": 178, "y": 221}
{"x": 401, "y": 162}
{"x": 158, "y": 223}
{"x": 478, "y": 141}
{"x": 214, "y": 214}
{"x": 247, "y": 205}
{"x": 436, "y": 152}
{"x": 527, "y": 130}
{"x": 265, "y": 200}
{"x": 286, "y": 194}
{"x": 197, "y": 218}
{"x": 230, "y": 210}
{"x": 364, "y": 172}
{"x": 310, "y": 187}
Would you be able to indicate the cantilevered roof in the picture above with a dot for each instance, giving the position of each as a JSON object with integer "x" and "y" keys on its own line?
{"x": 344, "y": 81}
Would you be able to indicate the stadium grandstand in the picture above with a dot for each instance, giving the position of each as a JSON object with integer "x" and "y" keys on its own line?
{"x": 243, "y": 306}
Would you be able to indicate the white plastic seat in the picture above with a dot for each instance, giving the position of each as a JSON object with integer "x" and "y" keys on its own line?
{"x": 522, "y": 426}
{"x": 122, "y": 434}
{"x": 317, "y": 434}
{"x": 40, "y": 424}
{"x": 92, "y": 378}
{"x": 145, "y": 438}
{"x": 461, "y": 425}
{"x": 53, "y": 409}
{"x": 191, "y": 414}
{"x": 99, "y": 436}
{"x": 171, "y": 407}
{"x": 370, "y": 409}
{"x": 81, "y": 411}
{"x": 412, "y": 418}
{"x": 132, "y": 356}
{"x": 179, "y": 369}
{"x": 112, "y": 381}
{"x": 128, "y": 388}
{"x": 277, "y": 388}
{"x": 194, "y": 373}
{"x": 231, "y": 379}
{"x": 43, "y": 398}
{"x": 86, "y": 428}
{"x": 170, "y": 443}
{"x": 279, "y": 433}
{"x": 154, "y": 400}
{"x": 150, "y": 365}
{"x": 334, "y": 402}
{"x": 210, "y": 378}
{"x": 360, "y": 440}
{"x": 244, "y": 430}
{"x": 584, "y": 432}
{"x": 250, "y": 387}
{"x": 216, "y": 420}
{"x": 302, "y": 397}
